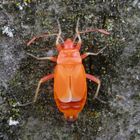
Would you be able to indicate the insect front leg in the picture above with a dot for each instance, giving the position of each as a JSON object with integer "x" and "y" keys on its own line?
{"x": 97, "y": 81}
{"x": 44, "y": 35}
{"x": 54, "y": 59}
{"x": 90, "y": 53}
{"x": 42, "y": 80}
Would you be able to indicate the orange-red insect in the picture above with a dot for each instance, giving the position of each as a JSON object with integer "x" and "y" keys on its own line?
{"x": 70, "y": 87}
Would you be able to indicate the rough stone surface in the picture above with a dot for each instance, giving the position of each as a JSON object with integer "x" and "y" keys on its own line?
{"x": 118, "y": 67}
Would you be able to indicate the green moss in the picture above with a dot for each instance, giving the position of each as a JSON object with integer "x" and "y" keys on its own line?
{"x": 15, "y": 80}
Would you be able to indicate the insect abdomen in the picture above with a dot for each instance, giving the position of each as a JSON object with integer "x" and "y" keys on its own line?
{"x": 71, "y": 109}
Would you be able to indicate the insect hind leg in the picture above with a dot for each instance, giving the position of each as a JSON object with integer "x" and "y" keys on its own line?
{"x": 42, "y": 80}
{"x": 97, "y": 81}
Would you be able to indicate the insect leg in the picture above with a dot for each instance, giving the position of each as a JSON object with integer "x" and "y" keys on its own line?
{"x": 54, "y": 59}
{"x": 42, "y": 80}
{"x": 95, "y": 30}
{"x": 40, "y": 36}
{"x": 97, "y": 81}
{"x": 90, "y": 53}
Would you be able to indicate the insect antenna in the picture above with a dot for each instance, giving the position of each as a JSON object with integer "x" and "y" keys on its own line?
{"x": 59, "y": 34}
{"x": 45, "y": 35}
{"x": 77, "y": 33}
{"x": 87, "y": 31}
